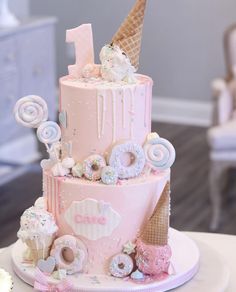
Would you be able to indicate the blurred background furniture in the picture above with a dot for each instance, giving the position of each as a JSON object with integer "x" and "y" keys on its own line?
{"x": 222, "y": 136}
{"x": 7, "y": 18}
{"x": 27, "y": 66}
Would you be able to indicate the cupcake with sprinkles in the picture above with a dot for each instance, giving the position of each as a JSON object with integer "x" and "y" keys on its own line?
{"x": 37, "y": 230}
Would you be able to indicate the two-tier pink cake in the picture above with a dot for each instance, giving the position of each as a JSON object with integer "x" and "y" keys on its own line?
{"x": 106, "y": 184}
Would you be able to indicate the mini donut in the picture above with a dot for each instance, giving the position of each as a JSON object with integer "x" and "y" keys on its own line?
{"x": 127, "y": 171}
{"x": 121, "y": 265}
{"x": 77, "y": 170}
{"x": 92, "y": 167}
{"x": 159, "y": 153}
{"x": 109, "y": 175}
{"x": 74, "y": 261}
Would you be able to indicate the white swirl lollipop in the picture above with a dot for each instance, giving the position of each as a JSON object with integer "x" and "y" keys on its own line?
{"x": 159, "y": 153}
{"x": 31, "y": 111}
{"x": 49, "y": 132}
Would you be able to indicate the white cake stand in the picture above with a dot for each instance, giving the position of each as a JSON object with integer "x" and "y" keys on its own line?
{"x": 185, "y": 261}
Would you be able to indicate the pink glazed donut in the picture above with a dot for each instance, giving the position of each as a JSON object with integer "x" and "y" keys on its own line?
{"x": 70, "y": 254}
{"x": 92, "y": 167}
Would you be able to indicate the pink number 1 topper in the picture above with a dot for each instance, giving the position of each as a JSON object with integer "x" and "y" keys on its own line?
{"x": 82, "y": 37}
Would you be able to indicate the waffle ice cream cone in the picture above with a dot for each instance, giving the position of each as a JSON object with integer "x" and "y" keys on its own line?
{"x": 156, "y": 229}
{"x": 129, "y": 35}
{"x": 39, "y": 249}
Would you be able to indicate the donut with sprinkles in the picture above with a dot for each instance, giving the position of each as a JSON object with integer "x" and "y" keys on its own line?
{"x": 137, "y": 161}
{"x": 92, "y": 167}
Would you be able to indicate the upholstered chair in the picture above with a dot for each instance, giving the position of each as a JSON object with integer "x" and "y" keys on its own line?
{"x": 222, "y": 135}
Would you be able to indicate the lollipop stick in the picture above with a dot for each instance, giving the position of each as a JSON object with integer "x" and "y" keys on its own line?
{"x": 47, "y": 147}
{"x": 55, "y": 152}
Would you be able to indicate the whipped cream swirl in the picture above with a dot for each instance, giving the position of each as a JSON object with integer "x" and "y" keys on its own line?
{"x": 115, "y": 65}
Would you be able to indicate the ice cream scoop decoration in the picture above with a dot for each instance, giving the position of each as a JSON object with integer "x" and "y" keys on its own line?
{"x": 153, "y": 260}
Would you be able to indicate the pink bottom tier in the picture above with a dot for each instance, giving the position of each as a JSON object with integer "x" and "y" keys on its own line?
{"x": 103, "y": 217}
{"x": 185, "y": 263}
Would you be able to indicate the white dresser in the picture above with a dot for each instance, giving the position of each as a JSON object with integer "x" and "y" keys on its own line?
{"x": 27, "y": 66}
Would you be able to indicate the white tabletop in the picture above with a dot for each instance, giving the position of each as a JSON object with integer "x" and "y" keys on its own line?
{"x": 225, "y": 245}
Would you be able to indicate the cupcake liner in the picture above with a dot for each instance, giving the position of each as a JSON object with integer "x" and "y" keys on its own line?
{"x": 40, "y": 249}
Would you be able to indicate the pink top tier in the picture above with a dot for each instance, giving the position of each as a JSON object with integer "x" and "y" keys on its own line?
{"x": 100, "y": 113}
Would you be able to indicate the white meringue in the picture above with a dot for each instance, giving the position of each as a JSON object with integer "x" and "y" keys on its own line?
{"x": 68, "y": 162}
{"x": 59, "y": 170}
{"x": 116, "y": 65}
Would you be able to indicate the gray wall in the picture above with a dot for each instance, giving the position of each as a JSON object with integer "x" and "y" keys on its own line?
{"x": 182, "y": 43}
{"x": 19, "y": 7}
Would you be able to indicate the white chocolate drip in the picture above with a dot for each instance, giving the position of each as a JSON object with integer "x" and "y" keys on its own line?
{"x": 123, "y": 108}
{"x": 145, "y": 106}
{"x": 132, "y": 94}
{"x": 104, "y": 109}
{"x": 113, "y": 116}
{"x": 98, "y": 117}
{"x": 101, "y": 113}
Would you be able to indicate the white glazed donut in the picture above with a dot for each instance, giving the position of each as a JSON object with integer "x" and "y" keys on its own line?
{"x": 49, "y": 132}
{"x": 121, "y": 265}
{"x": 73, "y": 262}
{"x": 31, "y": 111}
{"x": 135, "y": 168}
{"x": 92, "y": 167}
{"x": 159, "y": 153}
